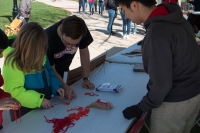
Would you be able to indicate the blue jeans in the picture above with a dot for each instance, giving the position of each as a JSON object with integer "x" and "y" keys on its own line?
{"x": 101, "y": 6}
{"x": 82, "y": 4}
{"x": 111, "y": 15}
{"x": 91, "y": 4}
{"x": 135, "y": 28}
{"x": 86, "y": 4}
{"x": 126, "y": 24}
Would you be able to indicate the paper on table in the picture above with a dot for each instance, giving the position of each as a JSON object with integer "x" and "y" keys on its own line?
{"x": 138, "y": 68}
{"x": 136, "y": 52}
{"x": 65, "y": 77}
{"x": 110, "y": 88}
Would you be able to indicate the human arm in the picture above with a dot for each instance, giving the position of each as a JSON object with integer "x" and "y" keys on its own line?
{"x": 7, "y": 102}
{"x": 14, "y": 84}
{"x": 69, "y": 92}
{"x": 85, "y": 63}
{"x": 54, "y": 81}
{"x": 159, "y": 54}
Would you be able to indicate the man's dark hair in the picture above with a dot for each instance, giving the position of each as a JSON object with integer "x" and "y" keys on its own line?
{"x": 127, "y": 3}
{"x": 3, "y": 40}
{"x": 73, "y": 27}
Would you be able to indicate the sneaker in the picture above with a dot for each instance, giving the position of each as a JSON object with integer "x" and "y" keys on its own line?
{"x": 134, "y": 33}
{"x": 127, "y": 37}
{"x": 124, "y": 36}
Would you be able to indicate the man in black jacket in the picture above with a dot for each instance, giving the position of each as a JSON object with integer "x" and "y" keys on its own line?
{"x": 171, "y": 57}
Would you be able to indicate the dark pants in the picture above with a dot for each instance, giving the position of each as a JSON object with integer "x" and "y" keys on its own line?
{"x": 101, "y": 6}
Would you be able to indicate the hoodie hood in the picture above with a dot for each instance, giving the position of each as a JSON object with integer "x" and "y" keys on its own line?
{"x": 175, "y": 15}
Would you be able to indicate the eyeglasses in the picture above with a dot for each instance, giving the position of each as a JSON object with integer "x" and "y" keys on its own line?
{"x": 68, "y": 44}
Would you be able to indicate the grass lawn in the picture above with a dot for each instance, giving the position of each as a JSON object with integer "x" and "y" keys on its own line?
{"x": 43, "y": 14}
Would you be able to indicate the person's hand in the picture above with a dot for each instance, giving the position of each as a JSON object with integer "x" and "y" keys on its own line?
{"x": 46, "y": 103}
{"x": 132, "y": 111}
{"x": 69, "y": 93}
{"x": 87, "y": 84}
{"x": 9, "y": 103}
{"x": 61, "y": 92}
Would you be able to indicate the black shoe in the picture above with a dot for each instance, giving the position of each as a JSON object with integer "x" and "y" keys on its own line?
{"x": 113, "y": 33}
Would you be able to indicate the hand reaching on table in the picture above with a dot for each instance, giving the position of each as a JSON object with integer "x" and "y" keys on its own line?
{"x": 61, "y": 92}
{"x": 46, "y": 103}
{"x": 69, "y": 93}
{"x": 87, "y": 84}
{"x": 132, "y": 111}
{"x": 9, "y": 103}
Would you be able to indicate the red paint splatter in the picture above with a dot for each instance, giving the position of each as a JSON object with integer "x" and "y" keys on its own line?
{"x": 63, "y": 124}
{"x": 91, "y": 94}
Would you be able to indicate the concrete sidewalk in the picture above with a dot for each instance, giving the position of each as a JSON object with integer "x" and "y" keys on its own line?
{"x": 97, "y": 25}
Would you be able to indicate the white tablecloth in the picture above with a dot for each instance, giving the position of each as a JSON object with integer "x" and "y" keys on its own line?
{"x": 97, "y": 121}
{"x": 123, "y": 59}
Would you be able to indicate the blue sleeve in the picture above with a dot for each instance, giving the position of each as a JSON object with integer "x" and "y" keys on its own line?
{"x": 54, "y": 81}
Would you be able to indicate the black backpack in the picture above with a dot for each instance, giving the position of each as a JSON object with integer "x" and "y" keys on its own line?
{"x": 111, "y": 3}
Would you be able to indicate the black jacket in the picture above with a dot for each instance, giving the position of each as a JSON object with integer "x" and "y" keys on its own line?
{"x": 171, "y": 57}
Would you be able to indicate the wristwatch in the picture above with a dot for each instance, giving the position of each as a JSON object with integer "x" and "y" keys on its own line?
{"x": 86, "y": 78}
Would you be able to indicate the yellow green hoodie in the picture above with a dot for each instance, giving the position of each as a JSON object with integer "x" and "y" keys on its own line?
{"x": 29, "y": 89}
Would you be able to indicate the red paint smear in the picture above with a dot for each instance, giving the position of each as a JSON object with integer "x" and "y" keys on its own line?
{"x": 62, "y": 125}
{"x": 91, "y": 94}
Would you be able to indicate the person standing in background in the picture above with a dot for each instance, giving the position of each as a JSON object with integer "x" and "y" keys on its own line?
{"x": 95, "y": 5}
{"x": 101, "y": 6}
{"x": 134, "y": 29}
{"x": 112, "y": 10}
{"x": 193, "y": 19}
{"x": 126, "y": 25}
{"x": 91, "y": 5}
{"x": 25, "y": 9}
{"x": 86, "y": 5}
{"x": 81, "y": 4}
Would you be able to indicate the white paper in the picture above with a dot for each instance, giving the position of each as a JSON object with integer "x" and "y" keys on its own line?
{"x": 65, "y": 77}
